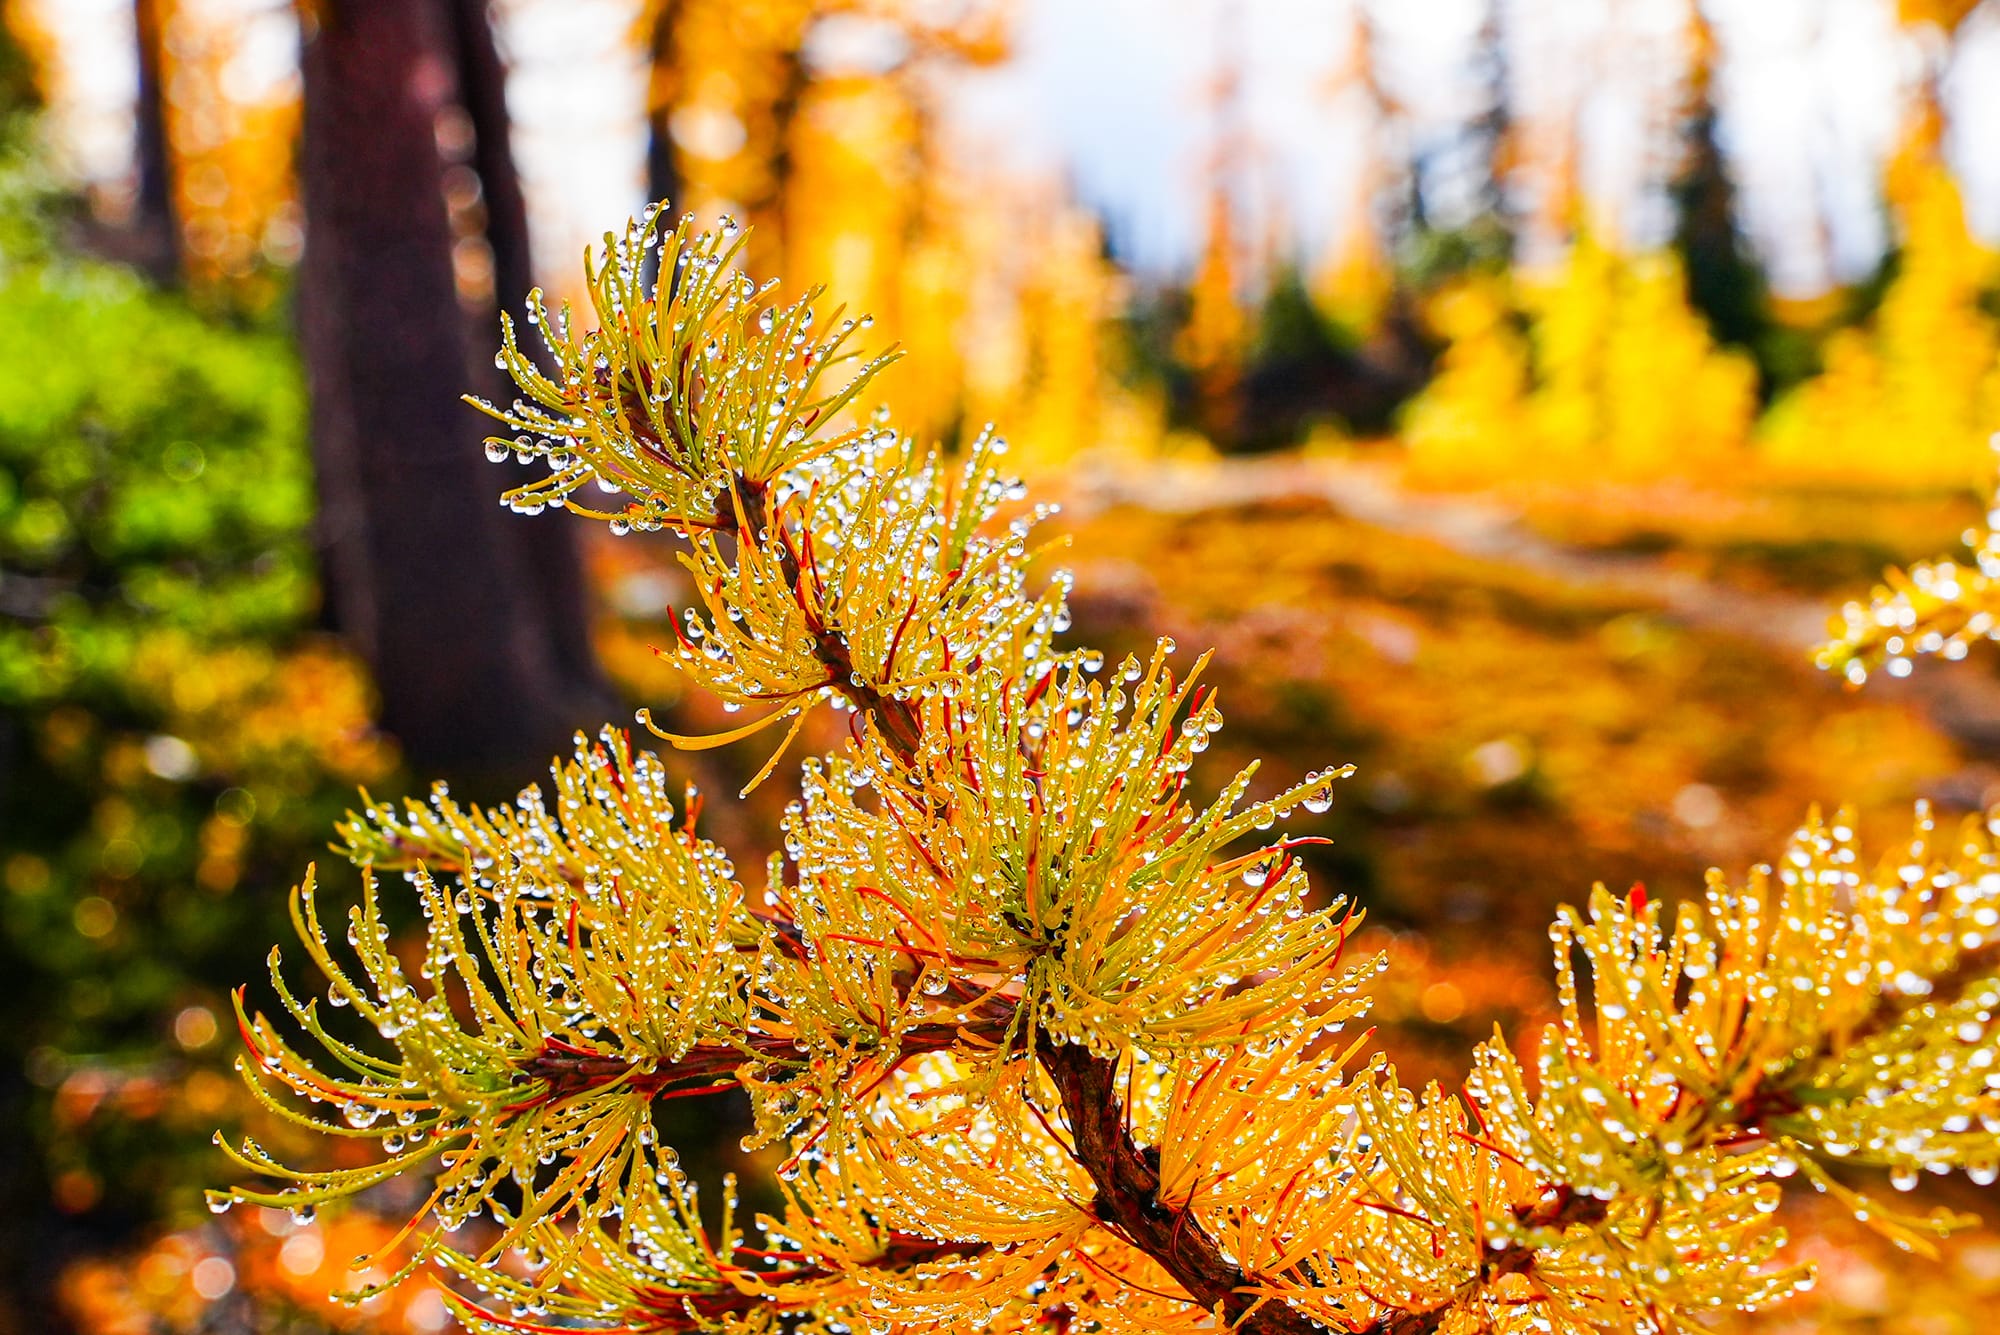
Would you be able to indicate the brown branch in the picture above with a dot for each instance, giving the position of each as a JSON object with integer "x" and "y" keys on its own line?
{"x": 1128, "y": 1185}
{"x": 682, "y": 1310}
{"x": 567, "y": 1071}
{"x": 1127, "y": 1178}
{"x": 1771, "y": 1098}
{"x": 1563, "y": 1208}
{"x": 902, "y": 726}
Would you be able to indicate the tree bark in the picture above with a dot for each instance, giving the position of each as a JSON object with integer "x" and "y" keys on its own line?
{"x": 483, "y": 93}
{"x": 155, "y": 228}
{"x": 772, "y": 214}
{"x": 663, "y": 176}
{"x": 548, "y": 546}
{"x": 481, "y": 672}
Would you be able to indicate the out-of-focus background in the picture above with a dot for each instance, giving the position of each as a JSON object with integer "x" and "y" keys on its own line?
{"x": 1509, "y": 389}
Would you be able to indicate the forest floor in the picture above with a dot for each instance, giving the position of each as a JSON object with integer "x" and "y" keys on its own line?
{"x": 1536, "y": 699}
{"x": 1788, "y": 621}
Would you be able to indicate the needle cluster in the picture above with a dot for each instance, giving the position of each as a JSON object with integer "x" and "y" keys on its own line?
{"x": 1043, "y": 1042}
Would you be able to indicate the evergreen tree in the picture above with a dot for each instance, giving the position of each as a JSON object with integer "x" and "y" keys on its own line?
{"x": 1045, "y": 1044}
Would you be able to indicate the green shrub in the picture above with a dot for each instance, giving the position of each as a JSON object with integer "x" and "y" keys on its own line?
{"x": 174, "y": 735}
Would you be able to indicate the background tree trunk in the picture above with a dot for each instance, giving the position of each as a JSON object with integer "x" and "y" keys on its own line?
{"x": 155, "y": 227}
{"x": 663, "y": 176}
{"x": 554, "y": 576}
{"x": 472, "y": 620}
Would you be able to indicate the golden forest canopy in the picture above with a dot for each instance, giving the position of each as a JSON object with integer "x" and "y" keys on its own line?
{"x": 1042, "y": 1038}
{"x": 227, "y": 128}
{"x": 1599, "y": 368}
{"x": 1924, "y": 371}
{"x": 841, "y": 170}
{"x": 843, "y": 166}
{"x": 617, "y": 886}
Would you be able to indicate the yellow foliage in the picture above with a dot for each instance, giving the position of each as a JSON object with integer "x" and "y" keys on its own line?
{"x": 170, "y": 1287}
{"x": 855, "y": 180}
{"x": 1216, "y": 337}
{"x": 1938, "y": 607}
{"x": 1039, "y": 356}
{"x": 1001, "y": 289}
{"x": 1218, "y": 326}
{"x": 1047, "y": 1034}
{"x": 230, "y": 142}
{"x": 1354, "y": 284}
{"x": 740, "y": 75}
{"x": 1471, "y": 424}
{"x": 245, "y": 706}
{"x": 1615, "y": 377}
{"x": 28, "y": 28}
{"x": 1946, "y": 14}
{"x": 1909, "y": 399}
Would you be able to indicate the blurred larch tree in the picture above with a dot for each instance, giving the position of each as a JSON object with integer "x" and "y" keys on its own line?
{"x": 411, "y": 210}
{"x": 1491, "y": 128}
{"x": 1923, "y": 367}
{"x": 214, "y": 204}
{"x": 818, "y": 123}
{"x": 1354, "y": 281}
{"x": 726, "y": 84}
{"x": 1215, "y": 340}
{"x": 733, "y": 83}
{"x": 1366, "y": 353}
{"x": 1724, "y": 280}
{"x": 660, "y": 24}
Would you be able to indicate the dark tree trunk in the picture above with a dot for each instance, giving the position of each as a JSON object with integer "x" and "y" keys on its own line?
{"x": 155, "y": 229}
{"x": 663, "y": 174}
{"x": 773, "y": 213}
{"x": 549, "y": 549}
{"x": 1724, "y": 280}
{"x": 442, "y": 592}
{"x": 483, "y": 93}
